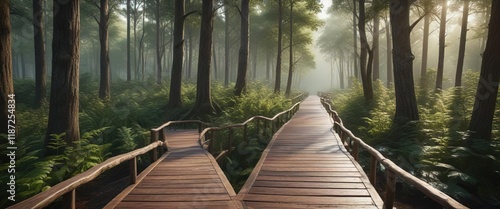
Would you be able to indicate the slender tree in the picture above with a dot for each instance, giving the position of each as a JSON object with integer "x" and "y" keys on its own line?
{"x": 203, "y": 104}
{"x": 277, "y": 83}
{"x": 290, "y": 64}
{"x": 40, "y": 69}
{"x": 64, "y": 96}
{"x": 375, "y": 45}
{"x": 366, "y": 55}
{"x": 390, "y": 77}
{"x": 463, "y": 39}
{"x": 442, "y": 34}
{"x": 487, "y": 89}
{"x": 241, "y": 79}
{"x": 104, "y": 85}
{"x": 425, "y": 47}
{"x": 6, "y": 84}
{"x": 158, "y": 43}
{"x": 406, "y": 103}
{"x": 129, "y": 69}
{"x": 227, "y": 47}
{"x": 175, "y": 99}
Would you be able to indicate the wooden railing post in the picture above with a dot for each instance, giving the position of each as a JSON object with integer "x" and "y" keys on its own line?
{"x": 373, "y": 170}
{"x": 69, "y": 200}
{"x": 390, "y": 189}
{"x": 153, "y": 154}
{"x": 355, "y": 150}
{"x": 133, "y": 170}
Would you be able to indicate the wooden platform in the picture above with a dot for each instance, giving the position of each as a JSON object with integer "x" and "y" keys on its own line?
{"x": 305, "y": 166}
{"x": 185, "y": 177}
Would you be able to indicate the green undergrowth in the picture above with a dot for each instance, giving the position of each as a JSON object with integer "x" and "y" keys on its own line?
{"x": 436, "y": 148}
{"x": 121, "y": 124}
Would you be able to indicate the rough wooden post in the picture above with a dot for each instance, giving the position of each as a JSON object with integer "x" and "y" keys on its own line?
{"x": 69, "y": 200}
{"x": 153, "y": 138}
{"x": 133, "y": 170}
{"x": 373, "y": 170}
{"x": 390, "y": 189}
{"x": 245, "y": 137}
{"x": 355, "y": 150}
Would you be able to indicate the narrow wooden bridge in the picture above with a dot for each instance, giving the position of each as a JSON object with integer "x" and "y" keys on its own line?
{"x": 305, "y": 165}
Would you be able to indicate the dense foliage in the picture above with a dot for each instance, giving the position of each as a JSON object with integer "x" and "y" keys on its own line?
{"x": 120, "y": 125}
{"x": 437, "y": 148}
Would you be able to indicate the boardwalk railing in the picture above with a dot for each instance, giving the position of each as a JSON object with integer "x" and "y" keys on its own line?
{"x": 353, "y": 145}
{"x": 67, "y": 188}
{"x": 207, "y": 139}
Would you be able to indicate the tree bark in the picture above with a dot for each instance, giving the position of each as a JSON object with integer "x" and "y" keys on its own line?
{"x": 158, "y": 44}
{"x": 406, "y": 104}
{"x": 463, "y": 39}
{"x": 425, "y": 49}
{"x": 277, "y": 83}
{"x": 241, "y": 78}
{"x": 64, "y": 96}
{"x": 40, "y": 69}
{"x": 390, "y": 77}
{"x": 487, "y": 89}
{"x": 129, "y": 70}
{"x": 375, "y": 46}
{"x": 203, "y": 104}
{"x": 355, "y": 34}
{"x": 442, "y": 39}
{"x": 366, "y": 76}
{"x": 290, "y": 65}
{"x": 227, "y": 48}
{"x": 175, "y": 99}
{"x": 6, "y": 84}
{"x": 104, "y": 87}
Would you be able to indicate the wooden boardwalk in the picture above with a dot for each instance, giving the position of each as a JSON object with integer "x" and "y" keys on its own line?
{"x": 185, "y": 177}
{"x": 305, "y": 166}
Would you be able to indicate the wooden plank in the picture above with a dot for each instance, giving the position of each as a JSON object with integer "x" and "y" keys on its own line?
{"x": 310, "y": 199}
{"x": 267, "y": 205}
{"x": 177, "y": 205}
{"x": 175, "y": 198}
{"x": 309, "y": 173}
{"x": 309, "y": 179}
{"x": 186, "y": 191}
{"x": 311, "y": 192}
{"x": 286, "y": 184}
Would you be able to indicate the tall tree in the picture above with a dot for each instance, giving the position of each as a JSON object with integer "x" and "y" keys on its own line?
{"x": 390, "y": 77}
{"x": 366, "y": 55}
{"x": 129, "y": 69}
{"x": 5, "y": 65}
{"x": 425, "y": 46}
{"x": 159, "y": 53}
{"x": 406, "y": 103}
{"x": 375, "y": 45}
{"x": 463, "y": 39}
{"x": 104, "y": 85}
{"x": 442, "y": 39}
{"x": 203, "y": 104}
{"x": 64, "y": 96}
{"x": 241, "y": 79}
{"x": 227, "y": 47}
{"x": 40, "y": 69}
{"x": 290, "y": 64}
{"x": 277, "y": 83}
{"x": 175, "y": 99}
{"x": 487, "y": 89}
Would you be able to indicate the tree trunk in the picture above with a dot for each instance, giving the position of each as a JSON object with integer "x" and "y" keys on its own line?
{"x": 158, "y": 44}
{"x": 376, "y": 57}
{"x": 191, "y": 49}
{"x": 365, "y": 69}
{"x": 7, "y": 84}
{"x": 268, "y": 65}
{"x": 203, "y": 104}
{"x": 463, "y": 39}
{"x": 487, "y": 89}
{"x": 390, "y": 78}
{"x": 406, "y": 104}
{"x": 425, "y": 49}
{"x": 175, "y": 99}
{"x": 355, "y": 34}
{"x": 23, "y": 65}
{"x": 277, "y": 83}
{"x": 40, "y": 70}
{"x": 226, "y": 47}
{"x": 64, "y": 96}
{"x": 104, "y": 87}
{"x": 442, "y": 39}
{"x": 290, "y": 65}
{"x": 129, "y": 70}
{"x": 241, "y": 79}
{"x": 254, "y": 61}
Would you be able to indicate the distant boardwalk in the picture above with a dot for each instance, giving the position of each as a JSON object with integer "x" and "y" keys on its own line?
{"x": 188, "y": 177}
{"x": 305, "y": 166}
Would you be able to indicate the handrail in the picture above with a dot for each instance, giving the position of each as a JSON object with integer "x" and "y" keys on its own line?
{"x": 276, "y": 119}
{"x": 392, "y": 170}
{"x": 67, "y": 188}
